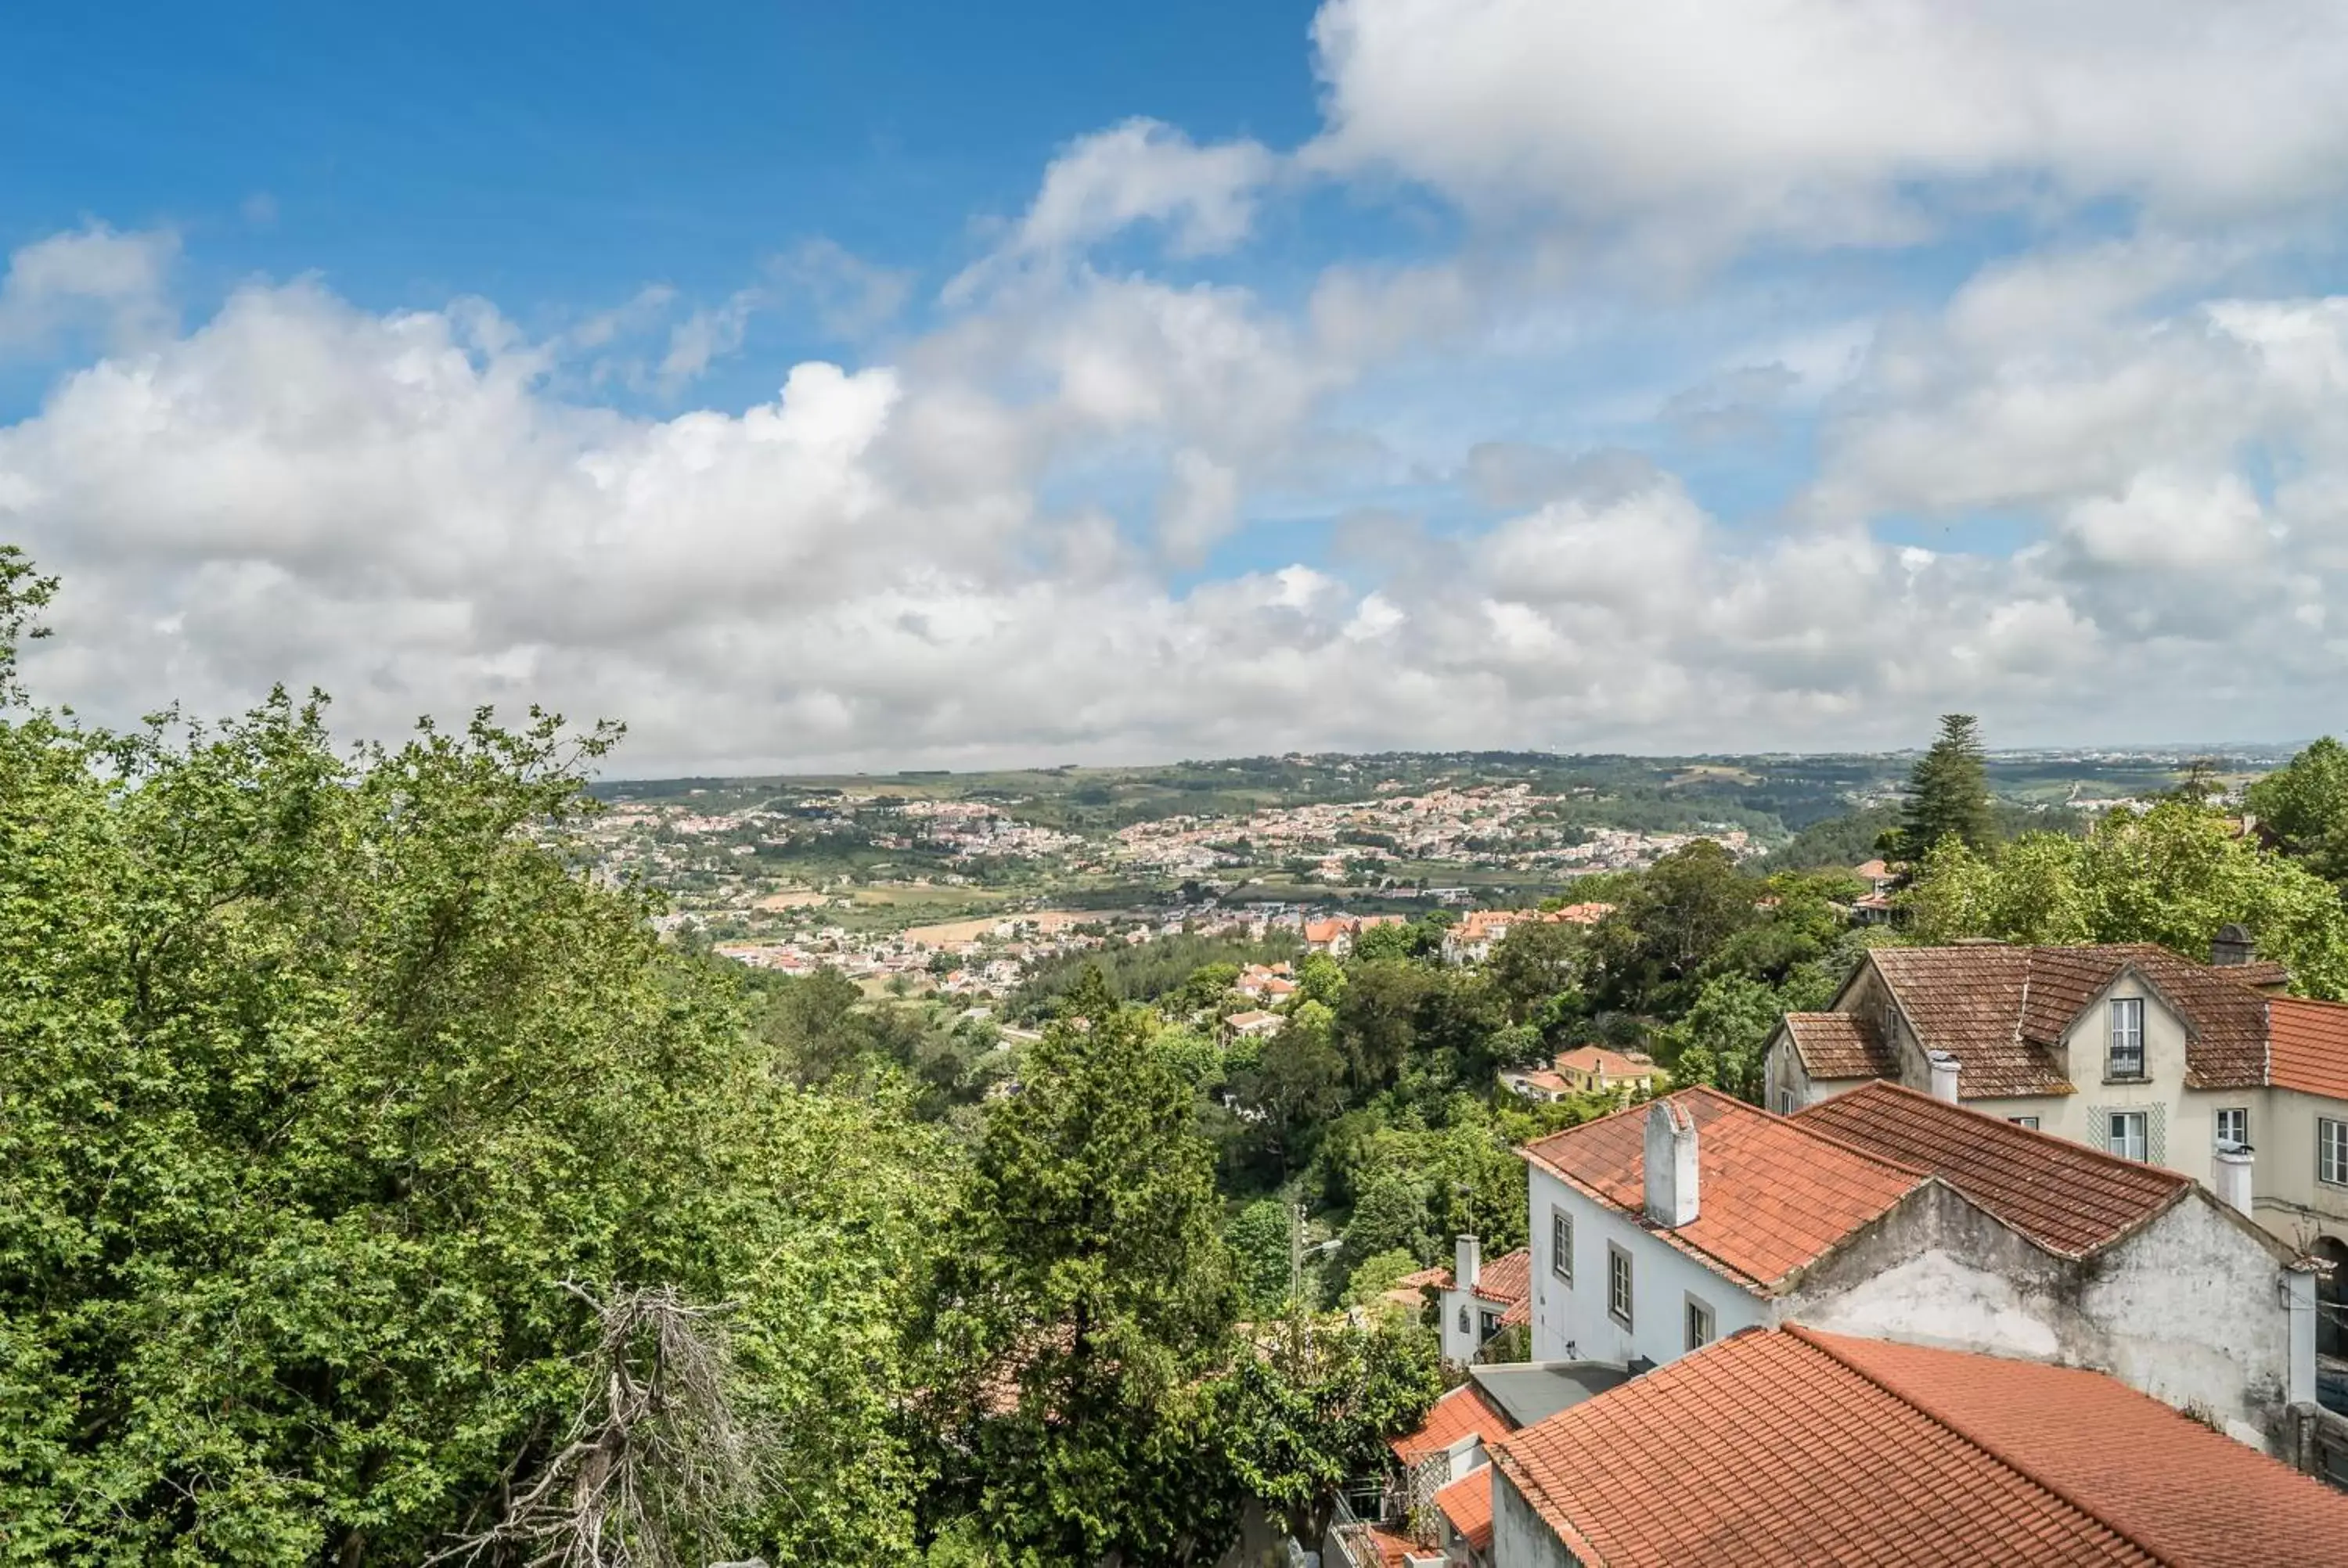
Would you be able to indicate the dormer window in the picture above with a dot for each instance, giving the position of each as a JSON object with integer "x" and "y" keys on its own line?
{"x": 2126, "y": 1056}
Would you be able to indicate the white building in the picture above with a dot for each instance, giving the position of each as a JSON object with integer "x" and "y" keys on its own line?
{"x": 1658, "y": 1230}
{"x": 2130, "y": 1049}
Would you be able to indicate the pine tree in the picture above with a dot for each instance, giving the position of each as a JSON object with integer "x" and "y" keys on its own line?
{"x": 1948, "y": 794}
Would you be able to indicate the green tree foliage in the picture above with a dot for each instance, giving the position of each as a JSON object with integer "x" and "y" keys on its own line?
{"x": 319, "y": 1079}
{"x": 1087, "y": 1300}
{"x": 1535, "y": 970}
{"x": 2171, "y": 875}
{"x": 1316, "y": 1405}
{"x": 1948, "y": 794}
{"x": 1646, "y": 955}
{"x": 1261, "y": 1255}
{"x": 1296, "y": 1083}
{"x": 2302, "y": 809}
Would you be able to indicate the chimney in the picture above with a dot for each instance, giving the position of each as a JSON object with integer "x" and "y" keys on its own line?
{"x": 2231, "y": 948}
{"x": 1468, "y": 1266}
{"x": 2233, "y": 1175}
{"x": 1670, "y": 1165}
{"x": 1944, "y": 1075}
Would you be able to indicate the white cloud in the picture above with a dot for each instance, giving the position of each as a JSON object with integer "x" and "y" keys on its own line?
{"x": 1695, "y": 126}
{"x": 90, "y": 277}
{"x": 1142, "y": 171}
{"x": 865, "y": 571}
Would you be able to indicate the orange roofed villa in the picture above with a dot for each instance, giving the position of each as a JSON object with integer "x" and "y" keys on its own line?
{"x": 2207, "y": 1069}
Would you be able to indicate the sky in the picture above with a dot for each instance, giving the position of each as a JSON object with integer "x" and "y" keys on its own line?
{"x": 913, "y": 385}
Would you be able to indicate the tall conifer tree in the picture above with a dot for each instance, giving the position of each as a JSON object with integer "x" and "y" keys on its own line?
{"x": 1948, "y": 794}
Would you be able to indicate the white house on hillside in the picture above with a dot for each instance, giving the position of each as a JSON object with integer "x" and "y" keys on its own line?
{"x": 1658, "y": 1230}
{"x": 2130, "y": 1049}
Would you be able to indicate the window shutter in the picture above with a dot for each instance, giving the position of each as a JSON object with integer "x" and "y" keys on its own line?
{"x": 2155, "y": 1135}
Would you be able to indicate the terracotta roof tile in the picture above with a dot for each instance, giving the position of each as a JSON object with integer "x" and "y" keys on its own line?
{"x": 2182, "y": 1491}
{"x": 1834, "y": 1045}
{"x": 1598, "y": 1059}
{"x": 1467, "y": 1504}
{"x": 2308, "y": 1046}
{"x": 2000, "y": 1011}
{"x": 1460, "y": 1413}
{"x": 2066, "y": 1196}
{"x": 1775, "y": 1195}
{"x": 1507, "y": 1279}
{"x": 1887, "y": 1454}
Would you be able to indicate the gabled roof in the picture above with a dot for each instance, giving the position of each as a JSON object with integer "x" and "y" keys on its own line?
{"x": 2065, "y": 1196}
{"x": 1467, "y": 1504}
{"x": 1775, "y": 1195}
{"x": 2307, "y": 1044}
{"x": 1463, "y": 1412}
{"x": 2002, "y": 1010}
{"x": 1834, "y": 1045}
{"x": 1504, "y": 1281}
{"x": 1598, "y": 1059}
{"x": 1882, "y": 1453}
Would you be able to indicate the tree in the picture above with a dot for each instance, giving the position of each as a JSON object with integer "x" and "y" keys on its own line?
{"x": 1087, "y": 1300}
{"x": 2302, "y": 809}
{"x": 1378, "y": 1019}
{"x": 1298, "y": 1082}
{"x": 1948, "y": 794}
{"x": 1316, "y": 1405}
{"x": 323, "y": 1079}
{"x": 1535, "y": 963}
{"x": 2171, "y": 875}
{"x": 1263, "y": 1251}
{"x": 1646, "y": 953}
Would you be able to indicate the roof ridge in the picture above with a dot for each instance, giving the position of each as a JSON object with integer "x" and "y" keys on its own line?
{"x": 1964, "y": 1433}
{"x": 2071, "y": 1147}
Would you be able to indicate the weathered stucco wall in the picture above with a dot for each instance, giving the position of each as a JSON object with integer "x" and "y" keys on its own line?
{"x": 2191, "y": 1310}
{"x": 1520, "y": 1537}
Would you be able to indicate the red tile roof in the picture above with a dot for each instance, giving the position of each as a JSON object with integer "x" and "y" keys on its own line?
{"x": 1460, "y": 1413}
{"x": 1467, "y": 1504}
{"x": 2000, "y": 1011}
{"x": 2066, "y": 1196}
{"x": 2307, "y": 1044}
{"x": 1598, "y": 1059}
{"x": 1775, "y": 1195}
{"x": 1506, "y": 1280}
{"x": 1581, "y": 914}
{"x": 1880, "y": 1453}
{"x": 1834, "y": 1045}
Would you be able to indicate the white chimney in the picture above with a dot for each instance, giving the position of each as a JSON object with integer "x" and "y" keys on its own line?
{"x": 1468, "y": 1265}
{"x": 1944, "y": 1075}
{"x": 2233, "y": 1175}
{"x": 1670, "y": 1165}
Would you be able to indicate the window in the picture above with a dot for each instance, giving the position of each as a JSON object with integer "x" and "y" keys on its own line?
{"x": 1784, "y": 1103}
{"x": 2124, "y": 1134}
{"x": 2029, "y": 1121}
{"x": 1560, "y": 1245}
{"x": 1618, "y": 1284}
{"x": 2332, "y": 1151}
{"x": 1463, "y": 1318}
{"x": 2126, "y": 1058}
{"x": 1489, "y": 1323}
{"x": 2234, "y": 1126}
{"x": 1699, "y": 1324}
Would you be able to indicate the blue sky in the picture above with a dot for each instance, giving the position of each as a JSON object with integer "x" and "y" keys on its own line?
{"x": 1172, "y": 381}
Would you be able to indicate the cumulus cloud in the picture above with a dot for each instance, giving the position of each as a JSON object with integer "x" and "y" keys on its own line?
{"x": 1824, "y": 122}
{"x": 1142, "y": 171}
{"x": 92, "y": 277}
{"x": 396, "y": 506}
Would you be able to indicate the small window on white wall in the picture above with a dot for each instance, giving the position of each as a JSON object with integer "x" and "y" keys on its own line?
{"x": 2332, "y": 1151}
{"x": 1617, "y": 1285}
{"x": 2234, "y": 1125}
{"x": 2029, "y": 1121}
{"x": 2126, "y": 1058}
{"x": 1699, "y": 1324}
{"x": 1463, "y": 1318}
{"x": 1784, "y": 1103}
{"x": 2124, "y": 1134}
{"x": 1560, "y": 1245}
